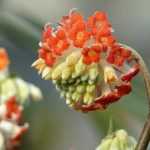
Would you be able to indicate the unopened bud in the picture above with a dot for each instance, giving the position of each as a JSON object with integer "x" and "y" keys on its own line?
{"x": 90, "y": 88}
{"x": 118, "y": 140}
{"x": 88, "y": 98}
{"x": 56, "y": 73}
{"x": 76, "y": 96}
{"x": 73, "y": 58}
{"x": 66, "y": 72}
{"x": 80, "y": 88}
{"x": 93, "y": 72}
{"x": 80, "y": 67}
{"x": 84, "y": 77}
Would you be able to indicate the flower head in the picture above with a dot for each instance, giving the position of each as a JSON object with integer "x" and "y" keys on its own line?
{"x": 85, "y": 61}
{"x": 119, "y": 140}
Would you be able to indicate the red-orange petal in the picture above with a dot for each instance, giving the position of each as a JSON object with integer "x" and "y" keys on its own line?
{"x": 50, "y": 59}
{"x": 124, "y": 89}
{"x": 131, "y": 73}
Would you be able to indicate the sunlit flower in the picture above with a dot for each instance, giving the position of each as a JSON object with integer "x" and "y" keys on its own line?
{"x": 119, "y": 140}
{"x": 85, "y": 62}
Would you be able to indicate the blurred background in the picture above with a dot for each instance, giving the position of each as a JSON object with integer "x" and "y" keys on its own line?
{"x": 53, "y": 126}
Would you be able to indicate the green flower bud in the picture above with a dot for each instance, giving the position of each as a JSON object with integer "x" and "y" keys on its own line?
{"x": 68, "y": 95}
{"x": 71, "y": 88}
{"x": 90, "y": 88}
{"x": 76, "y": 96}
{"x": 73, "y": 58}
{"x": 91, "y": 82}
{"x": 77, "y": 81}
{"x": 68, "y": 101}
{"x": 84, "y": 77}
{"x": 118, "y": 140}
{"x": 35, "y": 92}
{"x": 115, "y": 144}
{"x": 80, "y": 88}
{"x": 80, "y": 67}
{"x": 105, "y": 145}
{"x": 75, "y": 75}
{"x": 93, "y": 73}
{"x": 56, "y": 73}
{"x": 66, "y": 72}
{"x": 88, "y": 98}
{"x": 46, "y": 73}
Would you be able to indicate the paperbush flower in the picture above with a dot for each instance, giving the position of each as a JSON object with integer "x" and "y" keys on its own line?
{"x": 14, "y": 92}
{"x": 11, "y": 85}
{"x": 11, "y": 129}
{"x": 119, "y": 140}
{"x": 85, "y": 61}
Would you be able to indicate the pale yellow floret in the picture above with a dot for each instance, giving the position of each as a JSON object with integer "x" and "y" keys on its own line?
{"x": 109, "y": 74}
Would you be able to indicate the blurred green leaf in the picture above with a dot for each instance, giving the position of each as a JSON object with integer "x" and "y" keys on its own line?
{"x": 19, "y": 31}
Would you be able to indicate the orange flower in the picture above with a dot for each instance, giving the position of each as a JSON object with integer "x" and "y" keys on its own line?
{"x": 79, "y": 34}
{"x": 118, "y": 55}
{"x": 91, "y": 55}
{"x": 4, "y": 60}
{"x": 99, "y": 24}
{"x": 85, "y": 61}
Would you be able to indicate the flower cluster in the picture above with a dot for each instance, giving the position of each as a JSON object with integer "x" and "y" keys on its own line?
{"x": 13, "y": 94}
{"x": 85, "y": 61}
{"x": 119, "y": 140}
{"x": 11, "y": 129}
{"x": 12, "y": 85}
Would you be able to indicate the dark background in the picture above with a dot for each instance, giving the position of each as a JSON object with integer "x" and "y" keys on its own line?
{"x": 53, "y": 126}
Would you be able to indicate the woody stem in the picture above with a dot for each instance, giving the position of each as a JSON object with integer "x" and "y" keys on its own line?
{"x": 145, "y": 133}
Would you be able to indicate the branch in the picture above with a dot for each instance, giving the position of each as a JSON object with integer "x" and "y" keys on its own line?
{"x": 145, "y": 134}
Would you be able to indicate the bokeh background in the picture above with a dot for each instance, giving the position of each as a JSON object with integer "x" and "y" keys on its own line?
{"x": 53, "y": 126}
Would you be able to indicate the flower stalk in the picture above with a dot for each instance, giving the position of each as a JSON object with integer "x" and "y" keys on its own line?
{"x": 145, "y": 133}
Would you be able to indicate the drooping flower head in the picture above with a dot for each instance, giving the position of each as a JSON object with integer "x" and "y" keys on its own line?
{"x": 85, "y": 61}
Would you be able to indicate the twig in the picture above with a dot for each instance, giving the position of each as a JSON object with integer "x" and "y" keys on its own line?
{"x": 145, "y": 134}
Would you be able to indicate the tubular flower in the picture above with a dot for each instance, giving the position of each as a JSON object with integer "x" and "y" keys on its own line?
{"x": 10, "y": 128}
{"x": 89, "y": 67}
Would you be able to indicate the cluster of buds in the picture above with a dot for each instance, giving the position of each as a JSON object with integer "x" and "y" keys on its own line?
{"x": 11, "y": 85}
{"x": 85, "y": 62}
{"x": 11, "y": 129}
{"x": 119, "y": 140}
{"x": 14, "y": 92}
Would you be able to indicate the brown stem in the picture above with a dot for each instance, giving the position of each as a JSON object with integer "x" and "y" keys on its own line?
{"x": 145, "y": 134}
